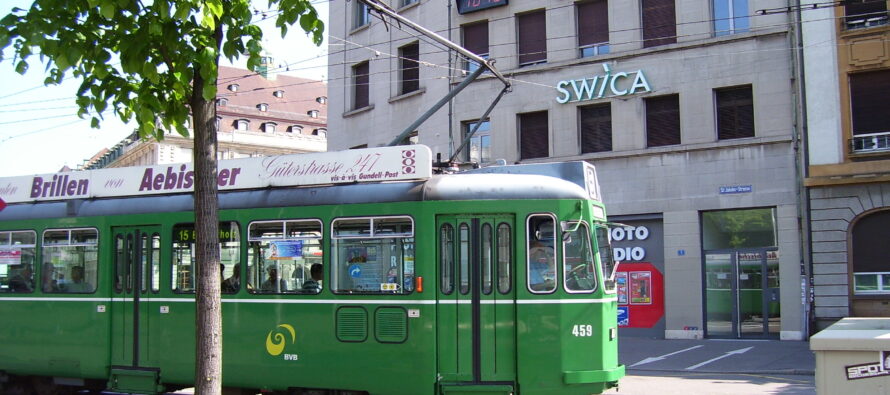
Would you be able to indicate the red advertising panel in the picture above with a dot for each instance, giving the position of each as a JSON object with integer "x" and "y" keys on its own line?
{"x": 640, "y": 295}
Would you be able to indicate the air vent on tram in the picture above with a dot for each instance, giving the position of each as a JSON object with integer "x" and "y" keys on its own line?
{"x": 391, "y": 325}
{"x": 352, "y": 324}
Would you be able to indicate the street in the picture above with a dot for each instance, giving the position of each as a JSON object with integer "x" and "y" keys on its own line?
{"x": 681, "y": 383}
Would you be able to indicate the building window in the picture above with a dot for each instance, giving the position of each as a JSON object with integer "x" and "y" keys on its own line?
{"x": 865, "y": 13}
{"x": 222, "y": 102}
{"x": 735, "y": 113}
{"x": 233, "y": 87}
{"x": 534, "y": 139}
{"x": 409, "y": 69}
{"x": 361, "y": 14}
{"x": 279, "y": 93}
{"x": 242, "y": 124}
{"x": 297, "y": 129}
{"x": 663, "y": 121}
{"x": 321, "y": 99}
{"x": 730, "y": 17}
{"x": 475, "y": 39}
{"x": 596, "y": 128}
{"x": 532, "y": 37}
{"x": 321, "y": 132}
{"x": 262, "y": 107}
{"x": 479, "y": 147}
{"x": 405, "y": 3}
{"x": 360, "y": 85}
{"x": 312, "y": 113}
{"x": 869, "y": 95}
{"x": 871, "y": 270}
{"x": 593, "y": 27}
{"x": 269, "y": 127}
{"x": 659, "y": 23}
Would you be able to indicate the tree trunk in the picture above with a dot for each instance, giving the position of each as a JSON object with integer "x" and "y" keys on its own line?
{"x": 208, "y": 325}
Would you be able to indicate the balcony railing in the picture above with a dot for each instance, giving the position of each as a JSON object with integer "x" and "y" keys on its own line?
{"x": 867, "y": 20}
{"x": 868, "y": 143}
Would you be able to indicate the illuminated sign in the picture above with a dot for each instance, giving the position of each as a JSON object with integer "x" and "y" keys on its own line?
{"x": 600, "y": 86}
{"x": 466, "y": 6}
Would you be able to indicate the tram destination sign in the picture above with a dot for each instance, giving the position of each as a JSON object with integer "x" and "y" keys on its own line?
{"x": 402, "y": 163}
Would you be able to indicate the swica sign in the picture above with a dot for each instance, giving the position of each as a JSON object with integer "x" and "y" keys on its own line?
{"x": 607, "y": 85}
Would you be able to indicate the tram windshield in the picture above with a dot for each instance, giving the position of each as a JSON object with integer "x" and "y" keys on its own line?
{"x": 579, "y": 275}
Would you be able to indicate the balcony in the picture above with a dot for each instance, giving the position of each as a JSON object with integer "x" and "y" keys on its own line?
{"x": 876, "y": 17}
{"x": 870, "y": 143}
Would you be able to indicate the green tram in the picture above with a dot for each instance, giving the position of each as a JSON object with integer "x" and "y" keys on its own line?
{"x": 490, "y": 281}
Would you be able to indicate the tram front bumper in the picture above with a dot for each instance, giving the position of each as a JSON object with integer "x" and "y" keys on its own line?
{"x": 593, "y": 376}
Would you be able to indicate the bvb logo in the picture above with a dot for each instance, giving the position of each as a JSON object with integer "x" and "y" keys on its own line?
{"x": 275, "y": 342}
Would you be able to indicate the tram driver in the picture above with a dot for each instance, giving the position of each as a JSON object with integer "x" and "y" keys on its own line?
{"x": 542, "y": 270}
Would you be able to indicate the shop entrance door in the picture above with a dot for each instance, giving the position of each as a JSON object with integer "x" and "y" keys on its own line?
{"x": 742, "y": 293}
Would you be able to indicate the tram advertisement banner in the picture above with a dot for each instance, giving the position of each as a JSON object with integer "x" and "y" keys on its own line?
{"x": 361, "y": 165}
{"x": 285, "y": 249}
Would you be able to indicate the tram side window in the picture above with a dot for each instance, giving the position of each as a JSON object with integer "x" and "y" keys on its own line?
{"x": 446, "y": 259}
{"x": 579, "y": 275}
{"x": 285, "y": 257}
{"x": 373, "y": 255}
{"x": 606, "y": 259}
{"x": 17, "y": 253}
{"x": 70, "y": 260}
{"x": 505, "y": 258}
{"x": 541, "y": 254}
{"x": 184, "y": 257}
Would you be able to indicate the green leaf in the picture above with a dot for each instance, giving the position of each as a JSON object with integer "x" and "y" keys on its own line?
{"x": 107, "y": 10}
{"x": 94, "y": 123}
{"x": 215, "y": 7}
{"x": 21, "y": 67}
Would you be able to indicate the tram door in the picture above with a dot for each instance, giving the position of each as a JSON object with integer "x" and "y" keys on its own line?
{"x": 136, "y": 276}
{"x": 476, "y": 309}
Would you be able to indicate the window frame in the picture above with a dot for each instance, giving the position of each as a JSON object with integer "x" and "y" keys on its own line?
{"x": 528, "y": 255}
{"x": 70, "y": 231}
{"x": 246, "y": 280}
{"x": 361, "y": 85}
{"x": 523, "y": 139}
{"x": 536, "y": 52}
{"x": 657, "y": 35}
{"x": 592, "y": 270}
{"x": 409, "y": 68}
{"x": 468, "y": 65}
{"x": 661, "y": 115}
{"x": 598, "y": 121}
{"x": 174, "y": 267}
{"x": 481, "y": 135}
{"x": 361, "y": 15}
{"x": 8, "y": 246}
{"x": 373, "y": 235}
{"x": 593, "y": 48}
{"x": 732, "y": 7}
{"x": 739, "y": 107}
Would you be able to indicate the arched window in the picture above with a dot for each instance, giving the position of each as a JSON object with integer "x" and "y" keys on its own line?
{"x": 297, "y": 129}
{"x": 233, "y": 87}
{"x": 269, "y": 127}
{"x": 242, "y": 124}
{"x": 312, "y": 113}
{"x": 262, "y": 107}
{"x": 871, "y": 269}
{"x": 279, "y": 93}
{"x": 320, "y": 132}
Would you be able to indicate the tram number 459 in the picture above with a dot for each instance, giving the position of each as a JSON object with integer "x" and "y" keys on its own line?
{"x": 582, "y": 330}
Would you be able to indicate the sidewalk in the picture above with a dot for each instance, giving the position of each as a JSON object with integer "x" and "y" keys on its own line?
{"x": 717, "y": 356}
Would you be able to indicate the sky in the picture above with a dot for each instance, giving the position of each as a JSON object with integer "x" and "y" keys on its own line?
{"x": 39, "y": 128}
